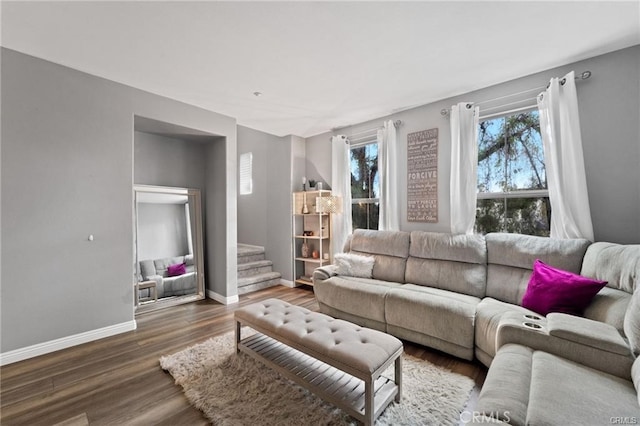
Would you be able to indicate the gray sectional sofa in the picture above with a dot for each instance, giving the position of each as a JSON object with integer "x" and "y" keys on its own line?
{"x": 156, "y": 270}
{"x": 462, "y": 294}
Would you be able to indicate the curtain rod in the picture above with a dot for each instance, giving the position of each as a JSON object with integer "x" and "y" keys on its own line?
{"x": 583, "y": 76}
{"x": 396, "y": 124}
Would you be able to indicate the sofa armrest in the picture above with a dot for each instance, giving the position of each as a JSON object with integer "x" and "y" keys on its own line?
{"x": 587, "y": 332}
{"x": 324, "y": 272}
{"x": 157, "y": 278}
{"x": 587, "y": 342}
{"x": 159, "y": 283}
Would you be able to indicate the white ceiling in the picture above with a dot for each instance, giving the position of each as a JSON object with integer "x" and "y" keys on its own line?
{"x": 319, "y": 65}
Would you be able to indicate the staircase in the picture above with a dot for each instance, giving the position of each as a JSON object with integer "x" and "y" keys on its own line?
{"x": 254, "y": 271}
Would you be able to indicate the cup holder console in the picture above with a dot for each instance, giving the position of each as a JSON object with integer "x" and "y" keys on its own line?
{"x": 532, "y": 325}
{"x": 532, "y": 317}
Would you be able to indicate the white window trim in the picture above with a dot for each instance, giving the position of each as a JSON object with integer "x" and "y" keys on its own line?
{"x": 525, "y": 193}
{"x": 365, "y": 200}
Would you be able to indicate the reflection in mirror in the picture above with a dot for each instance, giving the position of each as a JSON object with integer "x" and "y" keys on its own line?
{"x": 168, "y": 247}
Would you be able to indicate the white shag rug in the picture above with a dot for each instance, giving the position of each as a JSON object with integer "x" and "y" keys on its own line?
{"x": 236, "y": 390}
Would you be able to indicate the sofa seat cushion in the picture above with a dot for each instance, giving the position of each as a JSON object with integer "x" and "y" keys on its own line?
{"x": 522, "y": 387}
{"x": 362, "y": 297}
{"x": 179, "y": 285}
{"x": 488, "y": 314}
{"x": 635, "y": 377}
{"x": 438, "y": 313}
{"x": 599, "y": 396}
{"x": 505, "y": 392}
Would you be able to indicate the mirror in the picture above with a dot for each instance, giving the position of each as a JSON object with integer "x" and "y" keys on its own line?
{"x": 168, "y": 247}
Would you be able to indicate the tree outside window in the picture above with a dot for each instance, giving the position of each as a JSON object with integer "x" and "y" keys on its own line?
{"x": 365, "y": 185}
{"x": 512, "y": 182}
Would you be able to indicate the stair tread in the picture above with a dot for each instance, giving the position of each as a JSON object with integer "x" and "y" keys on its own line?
{"x": 254, "y": 264}
{"x": 258, "y": 278}
{"x": 248, "y": 250}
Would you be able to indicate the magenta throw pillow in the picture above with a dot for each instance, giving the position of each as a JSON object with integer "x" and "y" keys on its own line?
{"x": 555, "y": 290}
{"x": 177, "y": 269}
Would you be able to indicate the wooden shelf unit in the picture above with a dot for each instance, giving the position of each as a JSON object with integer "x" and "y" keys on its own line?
{"x": 319, "y": 224}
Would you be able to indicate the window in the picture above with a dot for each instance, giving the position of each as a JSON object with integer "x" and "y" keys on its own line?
{"x": 365, "y": 184}
{"x": 512, "y": 183}
{"x": 246, "y": 173}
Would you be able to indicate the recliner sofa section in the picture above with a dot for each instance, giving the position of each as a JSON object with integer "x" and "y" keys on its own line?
{"x": 462, "y": 294}
{"x": 450, "y": 292}
{"x": 157, "y": 270}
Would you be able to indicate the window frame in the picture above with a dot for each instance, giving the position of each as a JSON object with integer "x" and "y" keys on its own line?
{"x": 362, "y": 142}
{"x": 515, "y": 194}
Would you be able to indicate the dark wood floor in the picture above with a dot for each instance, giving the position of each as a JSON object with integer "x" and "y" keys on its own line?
{"x": 118, "y": 380}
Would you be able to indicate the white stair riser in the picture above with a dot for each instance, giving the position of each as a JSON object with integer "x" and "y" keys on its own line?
{"x": 250, "y": 258}
{"x": 254, "y": 271}
{"x": 258, "y": 286}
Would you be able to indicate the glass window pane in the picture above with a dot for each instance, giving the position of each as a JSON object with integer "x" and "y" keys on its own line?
{"x": 511, "y": 158}
{"x": 510, "y": 154}
{"x": 365, "y": 186}
{"x": 525, "y": 155}
{"x": 530, "y": 216}
{"x": 489, "y": 216}
{"x": 491, "y": 161}
{"x": 365, "y": 215}
{"x": 365, "y": 180}
{"x": 246, "y": 173}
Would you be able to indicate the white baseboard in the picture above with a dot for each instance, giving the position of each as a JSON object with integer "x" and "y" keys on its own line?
{"x": 287, "y": 283}
{"x": 65, "y": 342}
{"x": 222, "y": 299}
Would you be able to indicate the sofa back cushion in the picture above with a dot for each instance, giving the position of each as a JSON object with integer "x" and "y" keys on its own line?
{"x": 449, "y": 262}
{"x": 147, "y": 269}
{"x": 162, "y": 265}
{"x": 510, "y": 260}
{"x": 619, "y": 265}
{"x": 390, "y": 249}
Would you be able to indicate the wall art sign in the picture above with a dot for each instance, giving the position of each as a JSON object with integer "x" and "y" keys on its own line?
{"x": 422, "y": 176}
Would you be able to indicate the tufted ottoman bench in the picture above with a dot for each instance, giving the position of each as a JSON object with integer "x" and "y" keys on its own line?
{"x": 335, "y": 359}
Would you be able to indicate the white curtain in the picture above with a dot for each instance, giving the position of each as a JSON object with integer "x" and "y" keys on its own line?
{"x": 340, "y": 186}
{"x": 464, "y": 165}
{"x": 389, "y": 219}
{"x": 564, "y": 161}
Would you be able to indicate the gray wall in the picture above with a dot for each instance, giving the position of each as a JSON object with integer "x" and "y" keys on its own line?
{"x": 162, "y": 230}
{"x": 609, "y": 117}
{"x": 253, "y": 208}
{"x": 67, "y": 172}
{"x": 264, "y": 216}
{"x": 166, "y": 161}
